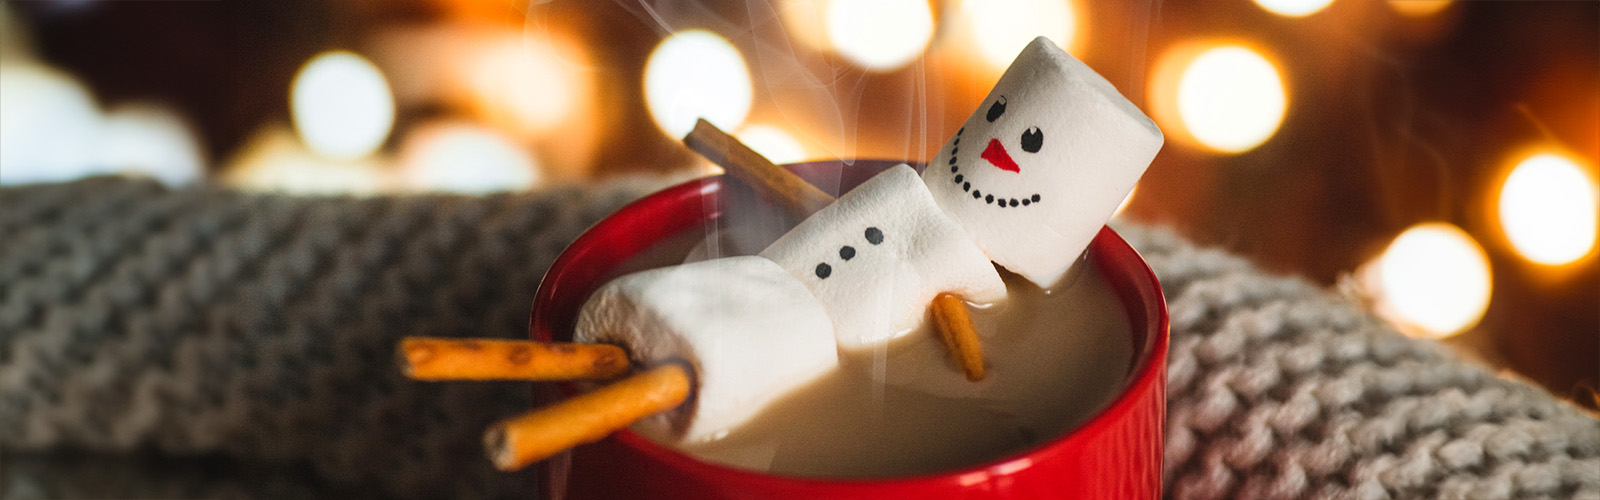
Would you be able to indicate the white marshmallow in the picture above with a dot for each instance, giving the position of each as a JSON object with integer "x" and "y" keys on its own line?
{"x": 880, "y": 254}
{"x": 1042, "y": 164}
{"x": 752, "y": 333}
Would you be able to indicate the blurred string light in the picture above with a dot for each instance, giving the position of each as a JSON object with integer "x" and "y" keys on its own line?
{"x": 1294, "y": 8}
{"x": 49, "y": 126}
{"x": 1001, "y": 28}
{"x": 696, "y": 74}
{"x": 1547, "y": 210}
{"x": 803, "y": 22}
{"x": 529, "y": 85}
{"x": 1418, "y": 8}
{"x": 1433, "y": 281}
{"x": 1227, "y": 98}
{"x": 463, "y": 158}
{"x": 273, "y": 159}
{"x": 773, "y": 143}
{"x": 880, "y": 35}
{"x": 152, "y": 140}
{"x": 341, "y": 105}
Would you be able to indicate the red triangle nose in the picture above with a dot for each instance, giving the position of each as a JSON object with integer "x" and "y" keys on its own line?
{"x": 997, "y": 156}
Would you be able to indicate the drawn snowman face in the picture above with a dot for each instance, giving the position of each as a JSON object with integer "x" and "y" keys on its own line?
{"x": 1039, "y": 167}
{"x": 993, "y": 152}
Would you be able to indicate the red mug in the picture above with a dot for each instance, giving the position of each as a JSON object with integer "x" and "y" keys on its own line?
{"x": 1114, "y": 455}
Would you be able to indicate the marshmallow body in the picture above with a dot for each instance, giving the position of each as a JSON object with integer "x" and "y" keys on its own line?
{"x": 880, "y": 254}
{"x": 1043, "y": 163}
{"x": 749, "y": 329}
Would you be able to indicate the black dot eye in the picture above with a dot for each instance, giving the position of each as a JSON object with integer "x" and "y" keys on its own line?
{"x": 874, "y": 236}
{"x": 824, "y": 270}
{"x": 1032, "y": 139}
{"x": 997, "y": 109}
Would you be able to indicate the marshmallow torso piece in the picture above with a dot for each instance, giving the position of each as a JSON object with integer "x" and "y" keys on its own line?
{"x": 1043, "y": 163}
{"x": 880, "y": 254}
{"x": 750, "y": 330}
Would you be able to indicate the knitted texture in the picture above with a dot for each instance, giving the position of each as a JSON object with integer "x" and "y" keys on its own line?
{"x": 211, "y": 343}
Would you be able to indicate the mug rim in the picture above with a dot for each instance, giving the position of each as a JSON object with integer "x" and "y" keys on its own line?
{"x": 1147, "y": 370}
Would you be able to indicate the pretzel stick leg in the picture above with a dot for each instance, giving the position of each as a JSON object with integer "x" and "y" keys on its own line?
{"x": 426, "y": 358}
{"x": 773, "y": 182}
{"x": 958, "y": 334}
{"x": 518, "y": 441}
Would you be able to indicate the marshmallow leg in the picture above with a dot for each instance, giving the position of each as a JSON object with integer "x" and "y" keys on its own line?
{"x": 1035, "y": 172}
{"x": 879, "y": 255}
{"x": 751, "y": 332}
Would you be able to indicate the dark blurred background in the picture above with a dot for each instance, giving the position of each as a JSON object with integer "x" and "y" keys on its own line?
{"x": 1437, "y": 159}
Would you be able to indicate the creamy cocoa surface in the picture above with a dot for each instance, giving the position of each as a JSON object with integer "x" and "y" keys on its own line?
{"x": 1054, "y": 359}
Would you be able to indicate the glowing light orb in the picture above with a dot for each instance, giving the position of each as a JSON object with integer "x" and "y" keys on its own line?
{"x": 1230, "y": 99}
{"x": 804, "y": 21}
{"x": 1433, "y": 280}
{"x": 274, "y": 160}
{"x": 49, "y": 126}
{"x": 1293, "y": 8}
{"x": 1418, "y": 8}
{"x": 696, "y": 74}
{"x": 880, "y": 35}
{"x": 1547, "y": 210}
{"x": 341, "y": 105}
{"x": 151, "y": 140}
{"x": 773, "y": 143}
{"x": 1001, "y": 28}
{"x": 461, "y": 158}
{"x": 529, "y": 84}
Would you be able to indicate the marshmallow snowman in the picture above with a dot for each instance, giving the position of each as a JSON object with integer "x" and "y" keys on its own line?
{"x": 879, "y": 255}
{"x": 1035, "y": 172}
{"x": 751, "y": 332}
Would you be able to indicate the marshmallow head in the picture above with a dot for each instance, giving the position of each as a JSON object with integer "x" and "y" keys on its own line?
{"x": 750, "y": 330}
{"x": 1043, "y": 163}
{"x": 880, "y": 254}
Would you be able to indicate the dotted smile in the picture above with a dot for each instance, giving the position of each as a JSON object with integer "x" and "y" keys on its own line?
{"x": 977, "y": 194}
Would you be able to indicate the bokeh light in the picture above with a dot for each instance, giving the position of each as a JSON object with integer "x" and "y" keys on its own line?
{"x": 49, "y": 126}
{"x": 529, "y": 84}
{"x": 341, "y": 105}
{"x": 152, "y": 140}
{"x": 1230, "y": 98}
{"x": 1418, "y": 8}
{"x": 803, "y": 21}
{"x": 880, "y": 35}
{"x": 463, "y": 158}
{"x": 1547, "y": 210}
{"x": 772, "y": 142}
{"x": 1433, "y": 281}
{"x": 274, "y": 160}
{"x": 1001, "y": 28}
{"x": 1293, "y": 8}
{"x": 696, "y": 74}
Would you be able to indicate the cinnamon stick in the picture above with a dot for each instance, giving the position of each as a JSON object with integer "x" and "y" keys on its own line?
{"x": 771, "y": 181}
{"x": 519, "y": 441}
{"x": 427, "y": 358}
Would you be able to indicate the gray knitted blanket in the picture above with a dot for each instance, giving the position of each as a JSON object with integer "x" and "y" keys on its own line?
{"x": 209, "y": 343}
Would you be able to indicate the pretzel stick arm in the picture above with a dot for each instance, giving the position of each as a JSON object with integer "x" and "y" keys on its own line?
{"x": 435, "y": 359}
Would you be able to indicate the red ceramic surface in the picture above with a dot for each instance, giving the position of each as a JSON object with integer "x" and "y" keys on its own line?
{"x": 1115, "y": 455}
